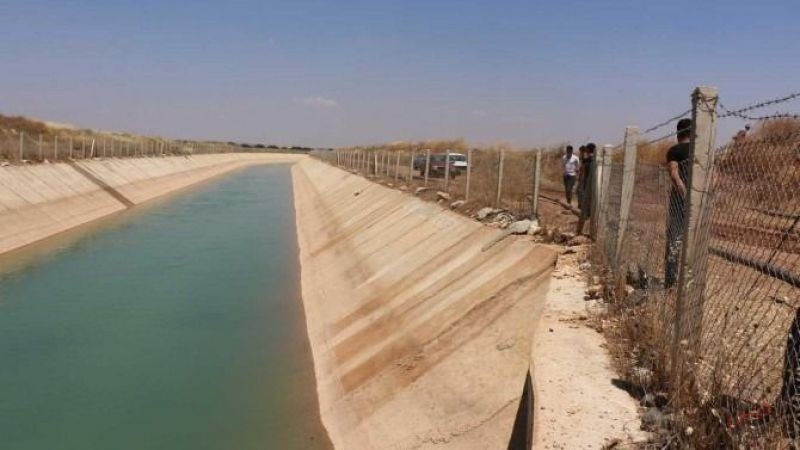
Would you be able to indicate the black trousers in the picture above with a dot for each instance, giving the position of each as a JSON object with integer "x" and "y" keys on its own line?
{"x": 569, "y": 186}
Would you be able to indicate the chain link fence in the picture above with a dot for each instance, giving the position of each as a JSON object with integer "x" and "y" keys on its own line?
{"x": 704, "y": 288}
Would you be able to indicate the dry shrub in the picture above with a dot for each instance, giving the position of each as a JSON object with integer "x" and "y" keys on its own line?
{"x": 21, "y": 124}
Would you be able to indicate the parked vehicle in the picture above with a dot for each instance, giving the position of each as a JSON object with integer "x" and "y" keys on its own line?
{"x": 458, "y": 164}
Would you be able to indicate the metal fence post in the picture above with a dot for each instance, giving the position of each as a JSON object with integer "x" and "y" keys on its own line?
{"x": 500, "y": 178}
{"x": 537, "y": 178}
{"x": 396, "y": 167}
{"x": 427, "y": 165}
{"x": 411, "y": 168}
{"x": 469, "y": 174}
{"x": 628, "y": 180}
{"x": 446, "y": 170}
{"x": 694, "y": 254}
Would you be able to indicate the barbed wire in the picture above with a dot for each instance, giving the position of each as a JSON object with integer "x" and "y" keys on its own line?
{"x": 741, "y": 111}
{"x": 728, "y": 113}
{"x": 668, "y": 121}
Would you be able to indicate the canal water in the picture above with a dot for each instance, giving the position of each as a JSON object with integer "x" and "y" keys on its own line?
{"x": 172, "y": 326}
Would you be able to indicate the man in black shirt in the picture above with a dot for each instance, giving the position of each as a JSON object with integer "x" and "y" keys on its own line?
{"x": 586, "y": 183}
{"x": 678, "y": 161}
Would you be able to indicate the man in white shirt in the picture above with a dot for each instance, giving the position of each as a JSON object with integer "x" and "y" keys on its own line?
{"x": 571, "y": 165}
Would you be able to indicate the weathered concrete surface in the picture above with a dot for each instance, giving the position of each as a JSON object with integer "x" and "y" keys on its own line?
{"x": 420, "y": 338}
{"x": 43, "y": 200}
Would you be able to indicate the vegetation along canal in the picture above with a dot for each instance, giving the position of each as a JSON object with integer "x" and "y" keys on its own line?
{"x": 176, "y": 326}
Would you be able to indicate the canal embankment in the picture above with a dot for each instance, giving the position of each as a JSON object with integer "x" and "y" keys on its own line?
{"x": 421, "y": 335}
{"x": 42, "y": 200}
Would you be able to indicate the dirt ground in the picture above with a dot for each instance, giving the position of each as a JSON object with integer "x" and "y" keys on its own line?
{"x": 577, "y": 404}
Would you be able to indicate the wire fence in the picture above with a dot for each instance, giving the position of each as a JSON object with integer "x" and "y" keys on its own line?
{"x": 701, "y": 282}
{"x": 705, "y": 286}
{"x": 50, "y": 145}
{"x": 463, "y": 178}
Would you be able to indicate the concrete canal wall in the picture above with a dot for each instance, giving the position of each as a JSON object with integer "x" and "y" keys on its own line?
{"x": 421, "y": 337}
{"x": 38, "y": 201}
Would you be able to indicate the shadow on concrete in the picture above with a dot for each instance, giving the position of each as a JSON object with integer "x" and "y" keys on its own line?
{"x": 102, "y": 185}
{"x": 522, "y": 433}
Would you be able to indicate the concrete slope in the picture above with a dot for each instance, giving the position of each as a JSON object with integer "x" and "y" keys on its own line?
{"x": 39, "y": 201}
{"x": 420, "y": 339}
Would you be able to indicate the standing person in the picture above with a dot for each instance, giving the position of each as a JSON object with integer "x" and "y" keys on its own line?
{"x": 586, "y": 184}
{"x": 742, "y": 134}
{"x": 579, "y": 188}
{"x": 571, "y": 164}
{"x": 678, "y": 160}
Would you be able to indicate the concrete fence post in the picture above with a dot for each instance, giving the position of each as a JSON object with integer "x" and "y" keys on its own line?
{"x": 22, "y": 145}
{"x": 427, "y": 165}
{"x": 446, "y": 170}
{"x": 537, "y": 178}
{"x": 605, "y": 183}
{"x": 626, "y": 195}
{"x": 469, "y": 175}
{"x": 500, "y": 178}
{"x": 694, "y": 254}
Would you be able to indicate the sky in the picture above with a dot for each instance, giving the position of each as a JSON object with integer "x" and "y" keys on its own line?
{"x": 330, "y": 74}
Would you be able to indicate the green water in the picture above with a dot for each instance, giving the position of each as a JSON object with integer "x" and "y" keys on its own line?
{"x": 176, "y": 326}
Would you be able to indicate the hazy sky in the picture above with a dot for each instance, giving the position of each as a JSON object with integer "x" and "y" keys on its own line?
{"x": 325, "y": 73}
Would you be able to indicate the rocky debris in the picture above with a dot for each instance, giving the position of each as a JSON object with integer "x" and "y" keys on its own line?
{"x": 578, "y": 240}
{"x": 642, "y": 376}
{"x": 518, "y": 227}
{"x": 629, "y": 290}
{"x": 485, "y": 213}
{"x": 658, "y": 400}
{"x": 421, "y": 189}
{"x": 457, "y": 204}
{"x": 442, "y": 195}
{"x": 594, "y": 292}
{"x": 654, "y": 418}
{"x": 535, "y": 229}
{"x": 502, "y": 220}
